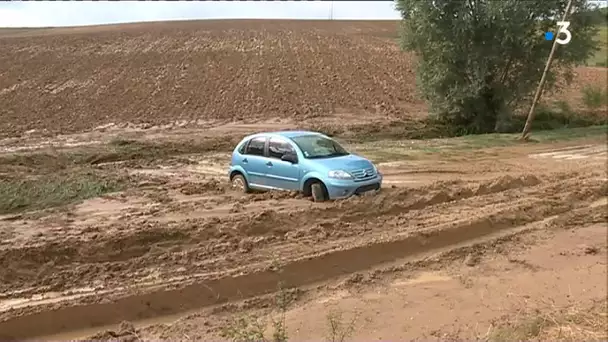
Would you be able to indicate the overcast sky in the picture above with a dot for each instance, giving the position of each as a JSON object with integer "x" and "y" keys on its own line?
{"x": 60, "y": 13}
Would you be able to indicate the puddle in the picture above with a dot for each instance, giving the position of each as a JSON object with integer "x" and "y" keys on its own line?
{"x": 48, "y": 144}
{"x": 599, "y": 203}
{"x": 334, "y": 297}
{"x": 106, "y": 206}
{"x": 210, "y": 170}
{"x": 46, "y": 298}
{"x": 398, "y": 181}
{"x": 423, "y": 278}
{"x": 393, "y": 164}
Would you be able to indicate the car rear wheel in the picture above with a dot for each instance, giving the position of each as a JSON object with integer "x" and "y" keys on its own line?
{"x": 319, "y": 193}
{"x": 239, "y": 183}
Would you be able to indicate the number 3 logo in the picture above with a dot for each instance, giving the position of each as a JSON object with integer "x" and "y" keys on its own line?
{"x": 563, "y": 28}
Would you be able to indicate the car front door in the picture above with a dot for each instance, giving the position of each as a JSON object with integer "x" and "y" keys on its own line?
{"x": 254, "y": 161}
{"x": 280, "y": 173}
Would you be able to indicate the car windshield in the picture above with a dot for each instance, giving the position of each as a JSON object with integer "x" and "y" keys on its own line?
{"x": 316, "y": 146}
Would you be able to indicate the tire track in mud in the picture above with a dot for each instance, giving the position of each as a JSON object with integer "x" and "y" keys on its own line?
{"x": 598, "y": 152}
{"x": 319, "y": 267}
{"x": 79, "y": 261}
{"x": 299, "y": 273}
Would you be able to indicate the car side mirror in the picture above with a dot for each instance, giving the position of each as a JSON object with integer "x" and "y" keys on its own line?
{"x": 290, "y": 157}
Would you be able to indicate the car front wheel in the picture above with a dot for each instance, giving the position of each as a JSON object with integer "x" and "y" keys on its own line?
{"x": 319, "y": 193}
{"x": 239, "y": 183}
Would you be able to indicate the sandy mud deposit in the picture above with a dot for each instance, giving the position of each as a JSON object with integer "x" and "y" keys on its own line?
{"x": 173, "y": 247}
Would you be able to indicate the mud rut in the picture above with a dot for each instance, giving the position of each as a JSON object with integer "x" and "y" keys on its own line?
{"x": 146, "y": 268}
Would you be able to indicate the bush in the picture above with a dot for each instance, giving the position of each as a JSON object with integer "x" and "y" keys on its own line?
{"x": 594, "y": 97}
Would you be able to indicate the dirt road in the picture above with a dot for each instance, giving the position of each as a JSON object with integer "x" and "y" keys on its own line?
{"x": 178, "y": 240}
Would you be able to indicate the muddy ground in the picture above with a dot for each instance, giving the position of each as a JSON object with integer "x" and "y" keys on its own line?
{"x": 145, "y": 230}
{"x": 117, "y": 222}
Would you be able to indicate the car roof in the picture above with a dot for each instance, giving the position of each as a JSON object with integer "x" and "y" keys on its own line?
{"x": 285, "y": 134}
{"x": 293, "y": 134}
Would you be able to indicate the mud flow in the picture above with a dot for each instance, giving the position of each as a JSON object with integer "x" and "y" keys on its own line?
{"x": 183, "y": 240}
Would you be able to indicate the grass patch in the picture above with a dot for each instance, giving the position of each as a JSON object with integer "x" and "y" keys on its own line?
{"x": 568, "y": 324}
{"x": 395, "y": 150}
{"x": 558, "y": 115}
{"x": 600, "y": 58}
{"x": 339, "y": 330}
{"x": 594, "y": 97}
{"x": 546, "y": 136}
{"x": 43, "y": 192}
{"x": 247, "y": 328}
{"x": 565, "y": 134}
{"x": 252, "y": 329}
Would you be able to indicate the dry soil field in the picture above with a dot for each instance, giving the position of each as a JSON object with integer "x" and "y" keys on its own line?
{"x": 116, "y": 220}
{"x": 204, "y": 73}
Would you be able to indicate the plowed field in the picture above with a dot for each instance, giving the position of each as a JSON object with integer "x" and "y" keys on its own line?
{"x": 129, "y": 231}
{"x": 199, "y": 73}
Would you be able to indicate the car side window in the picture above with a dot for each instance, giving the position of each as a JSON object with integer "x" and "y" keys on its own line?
{"x": 256, "y": 146}
{"x": 277, "y": 148}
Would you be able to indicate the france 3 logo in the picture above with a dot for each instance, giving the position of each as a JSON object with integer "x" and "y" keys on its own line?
{"x": 562, "y": 29}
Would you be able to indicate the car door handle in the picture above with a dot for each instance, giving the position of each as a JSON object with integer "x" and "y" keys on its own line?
{"x": 269, "y": 163}
{"x": 245, "y": 161}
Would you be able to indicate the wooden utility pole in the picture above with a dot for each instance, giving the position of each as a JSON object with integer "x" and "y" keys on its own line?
{"x": 539, "y": 90}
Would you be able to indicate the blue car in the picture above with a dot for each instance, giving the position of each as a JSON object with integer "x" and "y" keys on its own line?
{"x": 303, "y": 161}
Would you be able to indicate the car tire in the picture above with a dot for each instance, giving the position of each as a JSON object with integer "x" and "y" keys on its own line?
{"x": 239, "y": 183}
{"x": 319, "y": 193}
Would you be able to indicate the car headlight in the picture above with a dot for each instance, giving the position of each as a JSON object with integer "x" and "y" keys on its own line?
{"x": 339, "y": 174}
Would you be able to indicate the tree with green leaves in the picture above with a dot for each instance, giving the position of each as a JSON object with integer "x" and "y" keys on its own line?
{"x": 480, "y": 60}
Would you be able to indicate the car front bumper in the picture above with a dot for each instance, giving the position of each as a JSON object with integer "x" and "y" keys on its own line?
{"x": 337, "y": 188}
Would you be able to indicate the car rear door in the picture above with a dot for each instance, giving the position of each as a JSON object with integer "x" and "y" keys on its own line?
{"x": 281, "y": 174}
{"x": 254, "y": 161}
